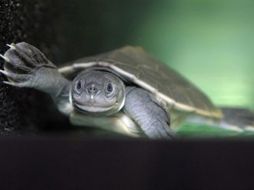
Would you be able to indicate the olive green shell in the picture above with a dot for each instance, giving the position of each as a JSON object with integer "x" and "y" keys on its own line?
{"x": 169, "y": 88}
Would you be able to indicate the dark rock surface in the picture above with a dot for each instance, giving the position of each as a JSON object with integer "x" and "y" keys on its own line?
{"x": 29, "y": 21}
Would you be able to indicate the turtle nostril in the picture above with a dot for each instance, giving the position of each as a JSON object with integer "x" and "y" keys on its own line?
{"x": 92, "y": 89}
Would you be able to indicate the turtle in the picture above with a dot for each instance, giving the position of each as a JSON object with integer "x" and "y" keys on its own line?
{"x": 125, "y": 91}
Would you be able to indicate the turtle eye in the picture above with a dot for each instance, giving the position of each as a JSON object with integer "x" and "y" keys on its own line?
{"x": 109, "y": 88}
{"x": 78, "y": 86}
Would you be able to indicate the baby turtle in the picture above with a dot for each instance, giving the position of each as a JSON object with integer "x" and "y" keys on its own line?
{"x": 125, "y": 91}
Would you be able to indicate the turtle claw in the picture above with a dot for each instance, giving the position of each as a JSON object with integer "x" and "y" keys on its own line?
{"x": 4, "y": 72}
{"x": 20, "y": 84}
{"x": 9, "y": 83}
{"x": 11, "y": 46}
{"x": 16, "y": 77}
{"x": 5, "y": 58}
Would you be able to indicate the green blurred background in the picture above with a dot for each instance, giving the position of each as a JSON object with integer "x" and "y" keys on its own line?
{"x": 208, "y": 41}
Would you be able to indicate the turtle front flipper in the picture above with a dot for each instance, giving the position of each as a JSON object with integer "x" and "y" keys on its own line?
{"x": 27, "y": 66}
{"x": 151, "y": 117}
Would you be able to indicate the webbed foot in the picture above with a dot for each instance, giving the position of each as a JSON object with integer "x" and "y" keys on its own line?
{"x": 27, "y": 66}
{"x": 22, "y": 64}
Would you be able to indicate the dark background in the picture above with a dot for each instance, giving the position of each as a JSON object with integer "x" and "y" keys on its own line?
{"x": 69, "y": 29}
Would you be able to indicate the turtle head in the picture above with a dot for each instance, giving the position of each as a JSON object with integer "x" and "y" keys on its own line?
{"x": 97, "y": 92}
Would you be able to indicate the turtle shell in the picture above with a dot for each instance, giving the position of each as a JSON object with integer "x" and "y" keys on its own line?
{"x": 134, "y": 65}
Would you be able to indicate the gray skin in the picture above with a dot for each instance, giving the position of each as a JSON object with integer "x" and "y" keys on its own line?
{"x": 92, "y": 92}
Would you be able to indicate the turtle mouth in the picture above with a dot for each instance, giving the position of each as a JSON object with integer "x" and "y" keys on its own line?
{"x": 93, "y": 109}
